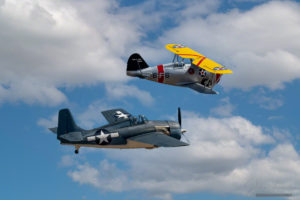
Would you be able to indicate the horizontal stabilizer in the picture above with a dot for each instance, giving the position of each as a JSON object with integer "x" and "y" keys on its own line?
{"x": 53, "y": 130}
{"x": 158, "y": 139}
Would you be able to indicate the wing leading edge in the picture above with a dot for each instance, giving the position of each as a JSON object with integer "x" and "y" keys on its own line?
{"x": 158, "y": 139}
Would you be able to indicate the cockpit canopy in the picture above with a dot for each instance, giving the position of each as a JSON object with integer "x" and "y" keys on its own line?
{"x": 180, "y": 62}
{"x": 141, "y": 119}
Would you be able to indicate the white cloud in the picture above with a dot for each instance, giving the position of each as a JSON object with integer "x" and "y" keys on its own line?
{"x": 112, "y": 178}
{"x": 226, "y": 156}
{"x": 48, "y": 122}
{"x": 67, "y": 161}
{"x": 225, "y": 108}
{"x": 92, "y": 115}
{"x": 50, "y": 44}
{"x": 266, "y": 102}
{"x": 120, "y": 91}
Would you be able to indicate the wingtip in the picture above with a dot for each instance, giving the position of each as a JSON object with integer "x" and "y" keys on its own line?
{"x": 185, "y": 144}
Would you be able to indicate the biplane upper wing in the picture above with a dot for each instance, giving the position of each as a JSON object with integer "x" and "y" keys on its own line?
{"x": 199, "y": 59}
{"x": 183, "y": 51}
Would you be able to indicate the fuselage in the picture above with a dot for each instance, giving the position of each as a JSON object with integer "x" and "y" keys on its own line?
{"x": 118, "y": 135}
{"x": 178, "y": 74}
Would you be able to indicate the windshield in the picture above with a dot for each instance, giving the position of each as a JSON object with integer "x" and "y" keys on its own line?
{"x": 142, "y": 119}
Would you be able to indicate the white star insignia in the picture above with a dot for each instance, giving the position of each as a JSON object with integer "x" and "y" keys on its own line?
{"x": 119, "y": 114}
{"x": 102, "y": 137}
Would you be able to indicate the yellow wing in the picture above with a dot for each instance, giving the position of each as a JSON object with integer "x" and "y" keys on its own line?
{"x": 183, "y": 51}
{"x": 199, "y": 59}
{"x": 211, "y": 66}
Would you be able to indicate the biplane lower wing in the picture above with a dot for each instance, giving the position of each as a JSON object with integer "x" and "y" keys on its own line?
{"x": 200, "y": 88}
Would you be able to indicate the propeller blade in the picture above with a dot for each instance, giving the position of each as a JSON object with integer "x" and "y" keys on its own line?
{"x": 179, "y": 116}
{"x": 182, "y": 130}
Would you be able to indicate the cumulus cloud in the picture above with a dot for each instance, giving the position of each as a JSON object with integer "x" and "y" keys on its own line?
{"x": 226, "y": 155}
{"x": 225, "y": 108}
{"x": 92, "y": 115}
{"x": 50, "y": 44}
{"x": 67, "y": 161}
{"x": 267, "y": 102}
{"x": 49, "y": 122}
{"x": 121, "y": 91}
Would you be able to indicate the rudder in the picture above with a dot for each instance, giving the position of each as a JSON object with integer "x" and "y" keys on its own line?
{"x": 66, "y": 123}
{"x": 136, "y": 62}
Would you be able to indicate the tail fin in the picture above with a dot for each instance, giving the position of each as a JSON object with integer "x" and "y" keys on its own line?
{"x": 66, "y": 123}
{"x": 136, "y": 62}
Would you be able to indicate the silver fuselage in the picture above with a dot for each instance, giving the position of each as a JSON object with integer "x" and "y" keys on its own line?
{"x": 178, "y": 74}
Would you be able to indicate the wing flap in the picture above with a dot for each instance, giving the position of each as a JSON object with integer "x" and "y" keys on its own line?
{"x": 211, "y": 66}
{"x": 158, "y": 139}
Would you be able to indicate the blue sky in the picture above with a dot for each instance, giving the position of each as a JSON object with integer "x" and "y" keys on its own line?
{"x": 57, "y": 54}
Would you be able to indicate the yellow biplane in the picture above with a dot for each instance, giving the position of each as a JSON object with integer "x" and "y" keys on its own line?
{"x": 200, "y": 74}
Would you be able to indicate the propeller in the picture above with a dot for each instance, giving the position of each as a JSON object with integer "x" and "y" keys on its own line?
{"x": 179, "y": 116}
{"x": 182, "y": 130}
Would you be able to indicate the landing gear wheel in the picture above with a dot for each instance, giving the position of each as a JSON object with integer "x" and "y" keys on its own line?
{"x": 77, "y": 149}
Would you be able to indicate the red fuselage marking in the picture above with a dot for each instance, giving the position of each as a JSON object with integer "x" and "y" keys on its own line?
{"x": 200, "y": 61}
{"x": 160, "y": 73}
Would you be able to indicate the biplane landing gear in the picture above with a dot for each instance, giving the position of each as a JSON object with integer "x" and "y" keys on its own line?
{"x": 77, "y": 149}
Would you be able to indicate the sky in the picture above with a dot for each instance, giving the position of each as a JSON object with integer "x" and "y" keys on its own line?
{"x": 72, "y": 54}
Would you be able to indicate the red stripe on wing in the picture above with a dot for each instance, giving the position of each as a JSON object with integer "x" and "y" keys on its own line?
{"x": 200, "y": 61}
